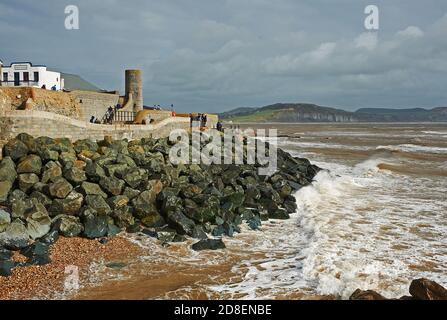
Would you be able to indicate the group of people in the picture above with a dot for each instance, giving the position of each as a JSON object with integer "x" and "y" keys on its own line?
{"x": 110, "y": 114}
{"x": 108, "y": 117}
{"x": 198, "y": 121}
{"x": 93, "y": 119}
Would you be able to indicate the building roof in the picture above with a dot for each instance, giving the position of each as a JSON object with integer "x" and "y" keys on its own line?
{"x": 75, "y": 82}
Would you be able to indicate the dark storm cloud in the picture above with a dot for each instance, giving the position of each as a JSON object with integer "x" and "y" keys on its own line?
{"x": 217, "y": 55}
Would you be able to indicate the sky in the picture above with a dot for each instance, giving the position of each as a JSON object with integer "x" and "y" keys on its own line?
{"x": 217, "y": 55}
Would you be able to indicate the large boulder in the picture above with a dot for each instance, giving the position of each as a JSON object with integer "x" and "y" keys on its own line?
{"x": 181, "y": 223}
{"x": 6, "y": 267}
{"x": 71, "y": 205}
{"x": 30, "y": 164}
{"x": 94, "y": 171}
{"x": 279, "y": 214}
{"x": 206, "y": 212}
{"x": 15, "y": 149}
{"x": 116, "y": 170}
{"x": 424, "y": 289}
{"x": 28, "y": 140}
{"x": 135, "y": 177}
{"x": 123, "y": 217}
{"x": 41, "y": 197}
{"x": 48, "y": 155}
{"x": 366, "y": 295}
{"x": 68, "y": 226}
{"x": 89, "y": 188}
{"x": 27, "y": 181}
{"x": 37, "y": 253}
{"x": 60, "y": 188}
{"x": 144, "y": 204}
{"x": 98, "y": 204}
{"x": 5, "y": 187}
{"x": 153, "y": 220}
{"x": 67, "y": 158}
{"x": 208, "y": 244}
{"x": 95, "y": 226}
{"x": 112, "y": 185}
{"x": 5, "y": 220}
{"x": 15, "y": 236}
{"x": 131, "y": 193}
{"x": 7, "y": 170}
{"x": 38, "y": 222}
{"x": 19, "y": 203}
{"x": 51, "y": 173}
{"x": 75, "y": 175}
{"x": 85, "y": 144}
{"x": 234, "y": 200}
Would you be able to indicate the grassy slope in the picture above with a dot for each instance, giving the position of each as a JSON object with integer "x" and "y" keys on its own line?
{"x": 259, "y": 116}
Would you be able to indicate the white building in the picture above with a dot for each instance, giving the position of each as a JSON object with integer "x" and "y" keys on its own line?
{"x": 25, "y": 74}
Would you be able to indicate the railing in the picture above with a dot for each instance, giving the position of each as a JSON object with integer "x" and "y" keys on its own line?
{"x": 124, "y": 116}
{"x": 20, "y": 83}
{"x": 116, "y": 116}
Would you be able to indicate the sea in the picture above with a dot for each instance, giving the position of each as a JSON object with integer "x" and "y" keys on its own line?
{"x": 374, "y": 218}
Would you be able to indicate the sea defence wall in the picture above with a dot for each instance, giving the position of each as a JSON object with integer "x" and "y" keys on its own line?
{"x": 41, "y": 123}
{"x": 77, "y": 104}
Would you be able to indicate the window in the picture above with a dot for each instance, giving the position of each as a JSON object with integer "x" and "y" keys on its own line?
{"x": 36, "y": 76}
{"x": 26, "y": 76}
{"x": 5, "y": 76}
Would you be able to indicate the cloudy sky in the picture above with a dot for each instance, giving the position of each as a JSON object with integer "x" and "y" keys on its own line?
{"x": 215, "y": 55}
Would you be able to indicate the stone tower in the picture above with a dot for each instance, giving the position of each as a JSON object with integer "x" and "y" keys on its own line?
{"x": 134, "y": 87}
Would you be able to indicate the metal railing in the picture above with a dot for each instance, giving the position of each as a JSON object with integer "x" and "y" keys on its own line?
{"x": 116, "y": 116}
{"x": 124, "y": 116}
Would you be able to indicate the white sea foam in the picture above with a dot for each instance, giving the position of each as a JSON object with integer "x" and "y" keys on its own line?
{"x": 356, "y": 219}
{"x": 322, "y": 145}
{"x": 435, "y": 132}
{"x": 355, "y": 227}
{"x": 413, "y": 148}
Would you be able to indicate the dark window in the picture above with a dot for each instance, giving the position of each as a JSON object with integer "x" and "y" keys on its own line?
{"x": 36, "y": 76}
{"x": 26, "y": 76}
{"x": 5, "y": 76}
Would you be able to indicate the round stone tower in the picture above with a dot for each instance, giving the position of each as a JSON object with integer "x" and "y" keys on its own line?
{"x": 134, "y": 86}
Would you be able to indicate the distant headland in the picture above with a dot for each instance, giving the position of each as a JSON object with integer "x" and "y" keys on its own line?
{"x": 303, "y": 112}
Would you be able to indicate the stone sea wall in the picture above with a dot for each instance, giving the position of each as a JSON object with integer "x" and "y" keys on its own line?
{"x": 41, "y": 123}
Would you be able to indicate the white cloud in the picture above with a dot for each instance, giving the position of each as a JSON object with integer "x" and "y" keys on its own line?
{"x": 223, "y": 54}
{"x": 412, "y": 32}
{"x": 367, "y": 40}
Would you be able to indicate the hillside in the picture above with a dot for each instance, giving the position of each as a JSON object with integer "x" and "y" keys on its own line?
{"x": 300, "y": 112}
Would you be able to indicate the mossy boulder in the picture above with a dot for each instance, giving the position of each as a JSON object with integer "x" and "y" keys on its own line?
{"x": 15, "y": 149}
{"x": 8, "y": 170}
{"x": 5, "y": 187}
{"x": 30, "y": 164}
{"x": 112, "y": 185}
{"x": 60, "y": 188}
{"x": 27, "y": 181}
